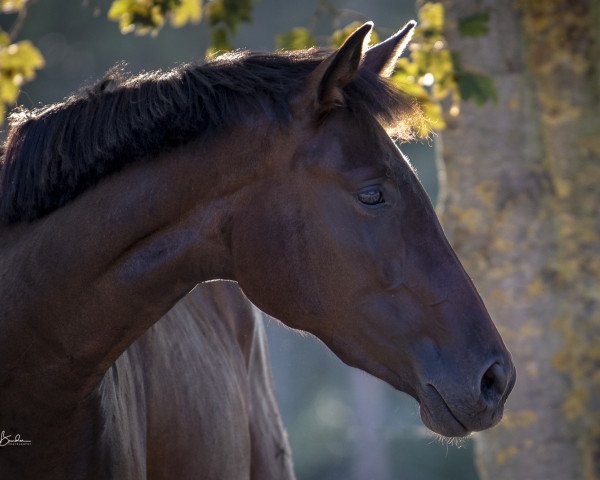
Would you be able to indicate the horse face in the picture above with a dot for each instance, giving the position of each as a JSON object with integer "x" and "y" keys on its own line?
{"x": 341, "y": 241}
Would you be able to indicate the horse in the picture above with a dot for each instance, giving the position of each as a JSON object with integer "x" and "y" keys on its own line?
{"x": 214, "y": 340}
{"x": 275, "y": 171}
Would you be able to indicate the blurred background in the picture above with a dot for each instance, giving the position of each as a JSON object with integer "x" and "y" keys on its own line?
{"x": 342, "y": 423}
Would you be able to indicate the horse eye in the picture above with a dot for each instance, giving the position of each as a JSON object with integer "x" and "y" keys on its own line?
{"x": 371, "y": 196}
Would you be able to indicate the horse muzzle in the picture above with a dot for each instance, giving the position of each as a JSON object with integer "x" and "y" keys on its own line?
{"x": 452, "y": 411}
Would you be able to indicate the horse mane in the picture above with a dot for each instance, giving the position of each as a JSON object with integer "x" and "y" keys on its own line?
{"x": 54, "y": 153}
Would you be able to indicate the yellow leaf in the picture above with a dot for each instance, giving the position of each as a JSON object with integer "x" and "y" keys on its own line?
{"x": 431, "y": 15}
{"x": 139, "y": 16}
{"x": 410, "y": 87}
{"x": 406, "y": 67}
{"x": 433, "y": 114}
{"x": 21, "y": 57}
{"x": 18, "y": 63}
{"x": 11, "y": 6}
{"x": 31, "y": 57}
{"x": 338, "y": 37}
{"x": 119, "y": 8}
{"x": 157, "y": 17}
{"x": 4, "y": 39}
{"x": 212, "y": 53}
{"x": 190, "y": 11}
{"x": 9, "y": 90}
{"x": 296, "y": 39}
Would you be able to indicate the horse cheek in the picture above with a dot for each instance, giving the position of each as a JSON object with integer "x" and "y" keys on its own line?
{"x": 267, "y": 266}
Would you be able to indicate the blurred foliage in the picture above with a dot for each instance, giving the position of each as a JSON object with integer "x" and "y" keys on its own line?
{"x": 475, "y": 25}
{"x": 472, "y": 85}
{"x": 9, "y": 6}
{"x": 338, "y": 37}
{"x": 224, "y": 18}
{"x": 18, "y": 60}
{"x": 427, "y": 74}
{"x": 149, "y": 16}
{"x": 296, "y": 39}
{"x": 18, "y": 63}
{"x": 430, "y": 73}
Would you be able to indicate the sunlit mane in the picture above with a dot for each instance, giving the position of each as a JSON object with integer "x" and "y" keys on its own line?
{"x": 54, "y": 153}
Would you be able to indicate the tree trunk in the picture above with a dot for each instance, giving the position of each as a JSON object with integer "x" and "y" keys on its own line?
{"x": 521, "y": 206}
{"x": 369, "y": 456}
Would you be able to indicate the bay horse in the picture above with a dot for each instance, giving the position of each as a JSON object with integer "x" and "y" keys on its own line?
{"x": 275, "y": 171}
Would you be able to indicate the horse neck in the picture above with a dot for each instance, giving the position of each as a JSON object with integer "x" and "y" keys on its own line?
{"x": 101, "y": 270}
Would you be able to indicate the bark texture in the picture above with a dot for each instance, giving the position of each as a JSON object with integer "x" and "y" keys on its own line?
{"x": 521, "y": 206}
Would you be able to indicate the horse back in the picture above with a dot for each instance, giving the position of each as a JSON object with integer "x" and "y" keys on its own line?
{"x": 193, "y": 397}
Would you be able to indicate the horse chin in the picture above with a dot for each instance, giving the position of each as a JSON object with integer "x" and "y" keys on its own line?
{"x": 439, "y": 418}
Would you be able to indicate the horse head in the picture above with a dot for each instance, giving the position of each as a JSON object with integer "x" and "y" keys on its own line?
{"x": 340, "y": 240}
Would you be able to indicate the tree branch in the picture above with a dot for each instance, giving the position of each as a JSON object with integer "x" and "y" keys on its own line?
{"x": 20, "y": 20}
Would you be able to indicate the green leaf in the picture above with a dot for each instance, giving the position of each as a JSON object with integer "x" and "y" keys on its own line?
{"x": 215, "y": 12}
{"x": 220, "y": 40}
{"x": 431, "y": 15}
{"x": 477, "y": 87}
{"x": 230, "y": 13}
{"x": 296, "y": 39}
{"x": 226, "y": 16}
{"x": 475, "y": 25}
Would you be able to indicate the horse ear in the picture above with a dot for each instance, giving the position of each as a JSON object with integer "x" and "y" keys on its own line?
{"x": 324, "y": 85}
{"x": 381, "y": 58}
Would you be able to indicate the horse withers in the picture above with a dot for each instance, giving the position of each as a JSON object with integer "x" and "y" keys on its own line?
{"x": 276, "y": 171}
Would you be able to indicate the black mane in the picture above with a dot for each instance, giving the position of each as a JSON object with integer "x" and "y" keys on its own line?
{"x": 54, "y": 153}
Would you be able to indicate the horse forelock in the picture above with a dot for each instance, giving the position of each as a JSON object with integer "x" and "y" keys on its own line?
{"x": 54, "y": 153}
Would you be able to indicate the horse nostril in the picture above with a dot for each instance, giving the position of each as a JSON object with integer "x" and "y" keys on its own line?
{"x": 494, "y": 382}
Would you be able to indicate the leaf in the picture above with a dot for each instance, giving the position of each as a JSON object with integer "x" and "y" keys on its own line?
{"x": 339, "y": 36}
{"x": 190, "y": 11}
{"x": 118, "y": 8}
{"x": 229, "y": 13}
{"x": 477, "y": 87}
{"x": 9, "y": 90}
{"x": 215, "y": 11}
{"x": 434, "y": 116}
{"x": 148, "y": 16}
{"x": 4, "y": 39}
{"x": 431, "y": 15}
{"x": 409, "y": 86}
{"x": 21, "y": 58}
{"x": 224, "y": 18}
{"x": 220, "y": 40}
{"x": 296, "y": 39}
{"x": 407, "y": 67}
{"x": 475, "y": 25}
{"x": 11, "y": 6}
{"x": 18, "y": 63}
